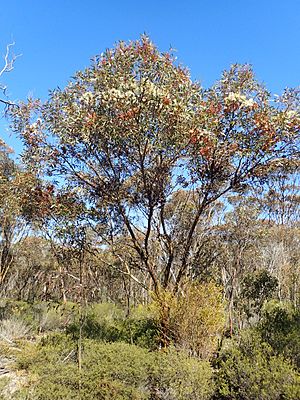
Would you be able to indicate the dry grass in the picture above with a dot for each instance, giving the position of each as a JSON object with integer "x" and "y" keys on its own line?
{"x": 12, "y": 329}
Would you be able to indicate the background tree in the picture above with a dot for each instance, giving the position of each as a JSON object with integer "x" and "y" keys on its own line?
{"x": 15, "y": 185}
{"x": 278, "y": 198}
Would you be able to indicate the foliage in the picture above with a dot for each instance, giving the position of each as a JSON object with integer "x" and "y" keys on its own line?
{"x": 141, "y": 328}
{"x": 178, "y": 376}
{"x": 280, "y": 328}
{"x": 279, "y": 197}
{"x": 256, "y": 289}
{"x": 100, "y": 321}
{"x": 39, "y": 316}
{"x": 248, "y": 370}
{"x": 15, "y": 184}
{"x": 193, "y": 320}
{"x": 118, "y": 371}
{"x": 106, "y": 322}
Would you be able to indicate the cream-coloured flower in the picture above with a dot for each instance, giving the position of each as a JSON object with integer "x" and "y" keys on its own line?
{"x": 87, "y": 97}
{"x": 291, "y": 114}
{"x": 240, "y": 98}
{"x": 248, "y": 103}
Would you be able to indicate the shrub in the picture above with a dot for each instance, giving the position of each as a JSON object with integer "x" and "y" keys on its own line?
{"x": 256, "y": 288}
{"x": 280, "y": 327}
{"x": 14, "y": 309}
{"x": 249, "y": 370}
{"x": 116, "y": 371}
{"x": 194, "y": 320}
{"x": 200, "y": 318}
{"x": 178, "y": 376}
{"x": 107, "y": 323}
{"x": 40, "y": 316}
{"x": 54, "y": 316}
{"x": 141, "y": 328}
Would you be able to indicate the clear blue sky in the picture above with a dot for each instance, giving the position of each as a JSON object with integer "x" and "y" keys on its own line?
{"x": 57, "y": 38}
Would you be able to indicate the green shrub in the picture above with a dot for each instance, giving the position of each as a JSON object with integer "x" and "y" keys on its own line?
{"x": 92, "y": 329}
{"x": 107, "y": 323}
{"x": 178, "y": 376}
{"x": 116, "y": 371}
{"x": 140, "y": 328}
{"x": 280, "y": 327}
{"x": 54, "y": 316}
{"x": 249, "y": 370}
{"x": 14, "y": 308}
{"x": 256, "y": 288}
{"x": 39, "y": 316}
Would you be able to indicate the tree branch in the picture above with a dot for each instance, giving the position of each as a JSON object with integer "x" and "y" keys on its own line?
{"x": 9, "y": 60}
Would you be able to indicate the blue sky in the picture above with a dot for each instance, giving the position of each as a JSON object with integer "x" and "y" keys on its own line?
{"x": 57, "y": 38}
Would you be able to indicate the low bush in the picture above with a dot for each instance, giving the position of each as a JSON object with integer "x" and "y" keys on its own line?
{"x": 107, "y": 323}
{"x": 102, "y": 321}
{"x": 249, "y": 370}
{"x": 116, "y": 371}
{"x": 192, "y": 320}
{"x": 40, "y": 316}
{"x": 280, "y": 328}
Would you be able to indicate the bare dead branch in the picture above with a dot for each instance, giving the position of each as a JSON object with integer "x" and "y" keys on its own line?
{"x": 9, "y": 61}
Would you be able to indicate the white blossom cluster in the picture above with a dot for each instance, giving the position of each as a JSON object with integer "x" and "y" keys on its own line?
{"x": 290, "y": 114}
{"x": 35, "y": 126}
{"x": 240, "y": 98}
{"x": 133, "y": 92}
{"x": 87, "y": 97}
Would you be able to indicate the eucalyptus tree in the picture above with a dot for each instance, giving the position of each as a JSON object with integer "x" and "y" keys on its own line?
{"x": 133, "y": 130}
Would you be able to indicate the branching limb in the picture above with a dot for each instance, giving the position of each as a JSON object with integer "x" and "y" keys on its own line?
{"x": 9, "y": 61}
